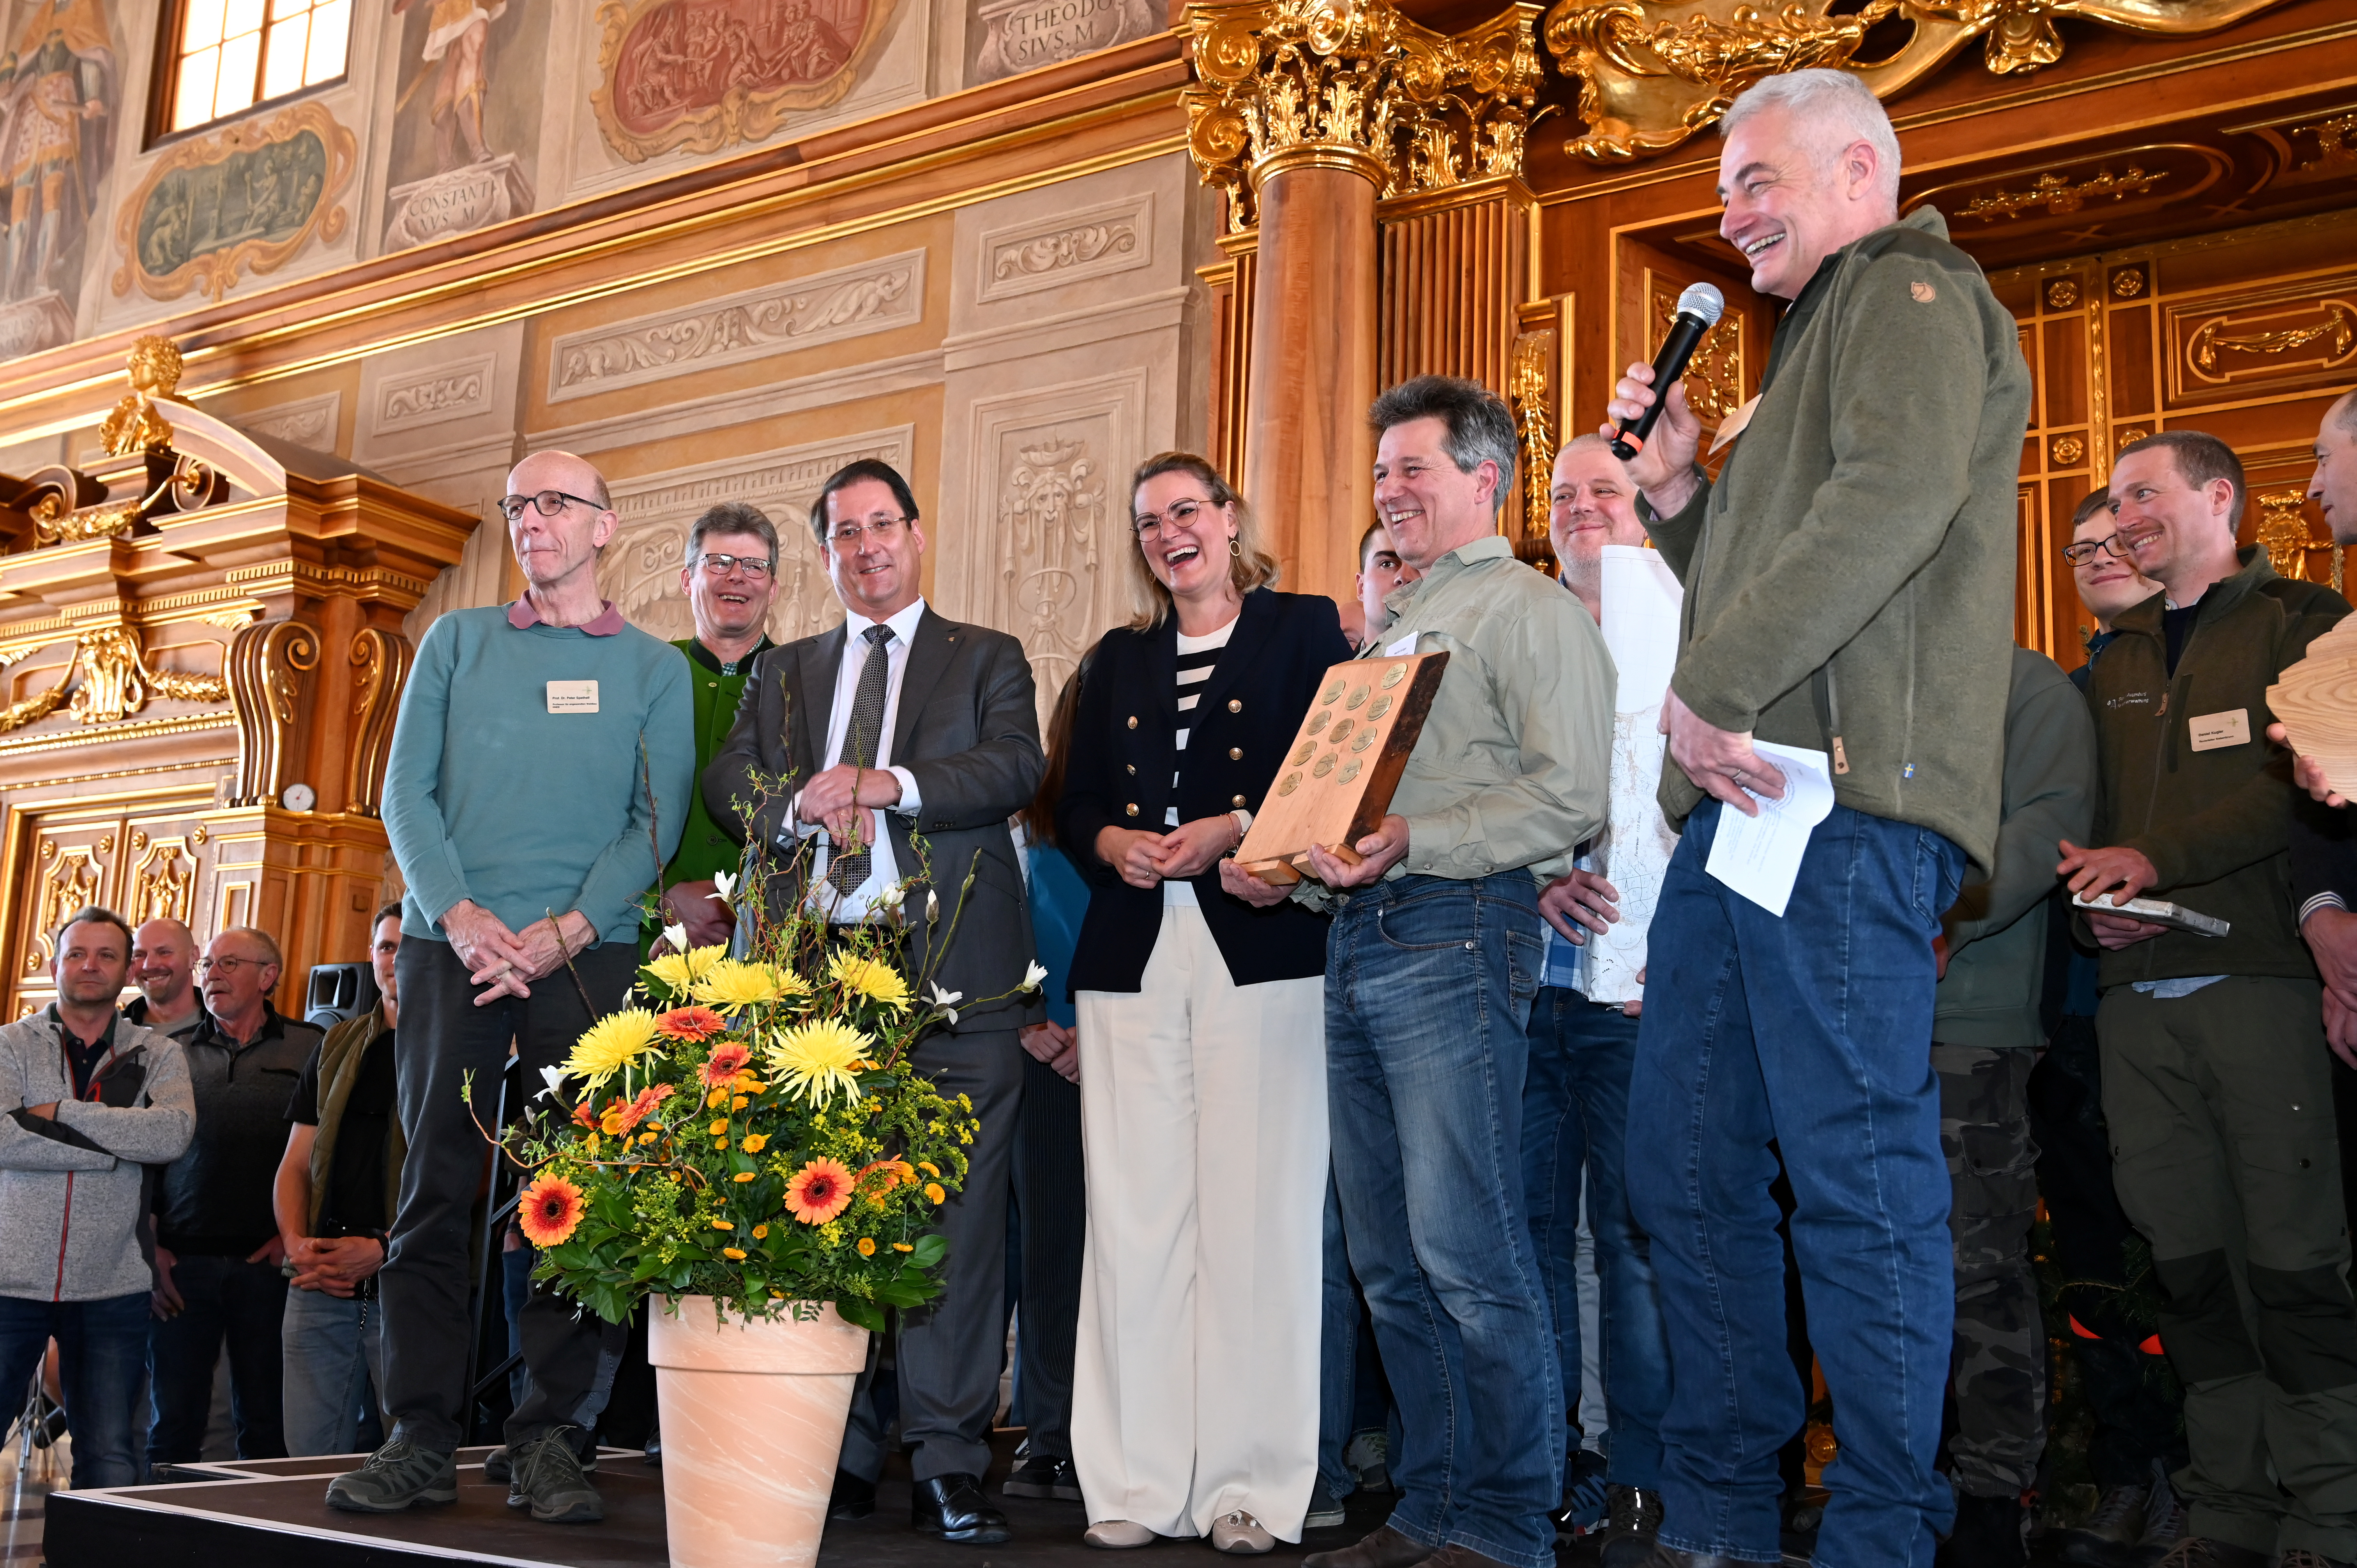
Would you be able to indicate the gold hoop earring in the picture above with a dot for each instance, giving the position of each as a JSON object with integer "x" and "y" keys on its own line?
{"x": 1235, "y": 547}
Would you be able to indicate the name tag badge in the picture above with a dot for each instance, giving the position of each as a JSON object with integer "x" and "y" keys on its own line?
{"x": 2212, "y": 731}
{"x": 1402, "y": 648}
{"x": 1731, "y": 427}
{"x": 572, "y": 696}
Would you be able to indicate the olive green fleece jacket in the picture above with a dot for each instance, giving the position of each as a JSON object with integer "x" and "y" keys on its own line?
{"x": 1997, "y": 929}
{"x": 2215, "y": 823}
{"x": 1864, "y": 524}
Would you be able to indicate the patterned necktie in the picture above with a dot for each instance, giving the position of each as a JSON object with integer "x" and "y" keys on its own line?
{"x": 848, "y": 870}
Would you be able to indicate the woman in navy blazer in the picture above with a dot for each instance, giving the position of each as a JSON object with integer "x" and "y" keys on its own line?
{"x": 1202, "y": 1043}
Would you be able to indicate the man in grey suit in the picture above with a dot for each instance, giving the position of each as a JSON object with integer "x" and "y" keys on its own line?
{"x": 895, "y": 727}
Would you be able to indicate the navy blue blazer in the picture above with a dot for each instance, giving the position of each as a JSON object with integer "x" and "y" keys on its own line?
{"x": 1118, "y": 775}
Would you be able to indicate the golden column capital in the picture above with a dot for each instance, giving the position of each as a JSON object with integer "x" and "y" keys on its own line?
{"x": 1286, "y": 84}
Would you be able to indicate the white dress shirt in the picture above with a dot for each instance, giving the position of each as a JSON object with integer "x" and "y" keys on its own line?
{"x": 883, "y": 870}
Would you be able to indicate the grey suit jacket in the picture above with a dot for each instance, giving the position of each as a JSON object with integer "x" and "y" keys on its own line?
{"x": 968, "y": 730}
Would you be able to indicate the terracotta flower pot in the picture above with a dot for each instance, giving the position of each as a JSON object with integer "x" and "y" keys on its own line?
{"x": 752, "y": 1424}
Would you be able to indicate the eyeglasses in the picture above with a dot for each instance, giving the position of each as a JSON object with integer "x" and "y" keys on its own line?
{"x": 721, "y": 565}
{"x": 883, "y": 530}
{"x": 549, "y": 503}
{"x": 1178, "y": 514}
{"x": 2080, "y": 553}
{"x": 228, "y": 965}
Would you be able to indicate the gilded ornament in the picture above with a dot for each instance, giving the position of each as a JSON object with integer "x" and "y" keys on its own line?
{"x": 61, "y": 527}
{"x": 2061, "y": 294}
{"x": 107, "y": 680}
{"x": 2129, "y": 281}
{"x": 2338, "y": 327}
{"x": 136, "y": 424}
{"x": 284, "y": 177}
{"x": 1529, "y": 392}
{"x": 2283, "y": 533}
{"x": 2067, "y": 451}
{"x": 2056, "y": 192}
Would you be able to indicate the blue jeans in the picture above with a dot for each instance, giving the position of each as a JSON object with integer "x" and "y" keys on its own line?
{"x": 1428, "y": 988}
{"x": 1353, "y": 1397}
{"x": 335, "y": 1374}
{"x": 1809, "y": 1034}
{"x": 243, "y": 1303}
{"x": 102, "y": 1370}
{"x": 1575, "y": 1115}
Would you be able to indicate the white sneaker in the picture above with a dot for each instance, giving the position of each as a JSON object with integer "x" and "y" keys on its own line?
{"x": 1117, "y": 1535}
{"x": 1241, "y": 1535}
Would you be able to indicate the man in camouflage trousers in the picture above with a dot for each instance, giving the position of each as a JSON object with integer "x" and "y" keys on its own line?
{"x": 1986, "y": 1035}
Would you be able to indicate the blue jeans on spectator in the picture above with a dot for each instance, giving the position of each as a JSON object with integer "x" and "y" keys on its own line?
{"x": 1428, "y": 988}
{"x": 1808, "y": 1034}
{"x": 1575, "y": 1117}
{"x": 102, "y": 1370}
{"x": 245, "y": 1303}
{"x": 335, "y": 1373}
{"x": 1352, "y": 1396}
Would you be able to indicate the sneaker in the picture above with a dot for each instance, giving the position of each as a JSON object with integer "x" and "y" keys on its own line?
{"x": 1988, "y": 1535}
{"x": 497, "y": 1471}
{"x": 1325, "y": 1513}
{"x": 1241, "y": 1535}
{"x": 1584, "y": 1496}
{"x": 547, "y": 1477}
{"x": 1041, "y": 1476}
{"x": 398, "y": 1476}
{"x": 2163, "y": 1524}
{"x": 1632, "y": 1518}
{"x": 2108, "y": 1537}
{"x": 1369, "y": 1458}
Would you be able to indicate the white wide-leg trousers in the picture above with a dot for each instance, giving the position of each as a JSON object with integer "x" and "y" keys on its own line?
{"x": 1204, "y": 1114}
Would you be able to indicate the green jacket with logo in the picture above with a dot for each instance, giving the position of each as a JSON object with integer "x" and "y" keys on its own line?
{"x": 705, "y": 848}
{"x": 1865, "y": 525}
{"x": 2215, "y": 823}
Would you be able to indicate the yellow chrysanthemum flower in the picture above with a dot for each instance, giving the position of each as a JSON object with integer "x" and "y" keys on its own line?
{"x": 732, "y": 985}
{"x": 880, "y": 982}
{"x": 610, "y": 1044}
{"x": 816, "y": 1059}
{"x": 680, "y": 970}
{"x": 755, "y": 1143}
{"x": 735, "y": 1253}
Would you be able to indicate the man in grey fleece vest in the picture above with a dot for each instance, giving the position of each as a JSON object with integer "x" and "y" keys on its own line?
{"x": 93, "y": 1101}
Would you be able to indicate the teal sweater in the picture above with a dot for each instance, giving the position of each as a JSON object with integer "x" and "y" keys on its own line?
{"x": 489, "y": 795}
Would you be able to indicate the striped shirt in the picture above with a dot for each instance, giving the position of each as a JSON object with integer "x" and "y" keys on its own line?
{"x": 1197, "y": 656}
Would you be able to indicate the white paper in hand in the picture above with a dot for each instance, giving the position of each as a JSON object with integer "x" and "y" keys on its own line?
{"x": 1759, "y": 856}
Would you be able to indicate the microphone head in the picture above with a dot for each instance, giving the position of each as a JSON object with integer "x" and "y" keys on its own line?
{"x": 1704, "y": 302}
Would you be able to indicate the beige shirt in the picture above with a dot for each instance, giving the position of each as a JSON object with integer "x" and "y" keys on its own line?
{"x": 1512, "y": 768}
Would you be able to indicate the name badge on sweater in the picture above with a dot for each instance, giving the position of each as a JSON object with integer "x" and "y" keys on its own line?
{"x": 1732, "y": 426}
{"x": 572, "y": 696}
{"x": 2212, "y": 731}
{"x": 1401, "y": 648}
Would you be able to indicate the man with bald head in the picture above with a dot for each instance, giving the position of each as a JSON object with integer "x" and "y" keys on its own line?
{"x": 164, "y": 968}
{"x": 521, "y": 923}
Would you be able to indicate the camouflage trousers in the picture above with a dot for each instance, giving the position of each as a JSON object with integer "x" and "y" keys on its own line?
{"x": 1999, "y": 1366}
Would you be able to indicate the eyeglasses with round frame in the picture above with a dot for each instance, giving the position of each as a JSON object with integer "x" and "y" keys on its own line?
{"x": 884, "y": 529}
{"x": 2079, "y": 554}
{"x": 719, "y": 565}
{"x": 1181, "y": 513}
{"x": 548, "y": 502}
{"x": 228, "y": 965}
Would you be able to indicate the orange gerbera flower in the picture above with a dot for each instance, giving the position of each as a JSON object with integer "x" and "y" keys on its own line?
{"x": 820, "y": 1191}
{"x": 550, "y": 1210}
{"x": 720, "y": 1068}
{"x": 639, "y": 1109}
{"x": 690, "y": 1024}
{"x": 581, "y": 1115}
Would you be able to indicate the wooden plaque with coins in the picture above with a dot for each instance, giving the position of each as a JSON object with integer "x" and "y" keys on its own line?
{"x": 1339, "y": 775}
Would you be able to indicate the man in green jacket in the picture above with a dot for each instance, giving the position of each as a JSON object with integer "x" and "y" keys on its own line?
{"x": 730, "y": 577}
{"x": 1986, "y": 1035}
{"x": 1849, "y": 586}
{"x": 2215, "y": 1079}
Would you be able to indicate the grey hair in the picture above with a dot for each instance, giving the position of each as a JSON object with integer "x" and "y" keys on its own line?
{"x": 2344, "y": 413}
{"x": 260, "y": 938}
{"x": 1481, "y": 430}
{"x": 731, "y": 517}
{"x": 1826, "y": 103}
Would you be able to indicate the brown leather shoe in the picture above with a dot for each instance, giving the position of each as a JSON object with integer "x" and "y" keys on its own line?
{"x": 1387, "y": 1548}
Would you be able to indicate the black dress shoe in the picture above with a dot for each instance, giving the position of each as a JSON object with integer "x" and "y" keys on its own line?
{"x": 954, "y": 1507}
{"x": 1041, "y": 1476}
{"x": 852, "y": 1498}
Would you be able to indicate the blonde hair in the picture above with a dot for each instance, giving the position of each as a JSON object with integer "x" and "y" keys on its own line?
{"x": 1249, "y": 566}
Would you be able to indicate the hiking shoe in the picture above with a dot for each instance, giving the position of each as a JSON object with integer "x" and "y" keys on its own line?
{"x": 547, "y": 1478}
{"x": 1583, "y": 1497}
{"x": 496, "y": 1470}
{"x": 398, "y": 1476}
{"x": 1369, "y": 1458}
{"x": 1324, "y": 1511}
{"x": 2107, "y": 1538}
{"x": 2164, "y": 1524}
{"x": 1632, "y": 1518}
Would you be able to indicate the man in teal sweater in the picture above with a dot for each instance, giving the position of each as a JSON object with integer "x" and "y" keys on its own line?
{"x": 541, "y": 771}
{"x": 730, "y": 576}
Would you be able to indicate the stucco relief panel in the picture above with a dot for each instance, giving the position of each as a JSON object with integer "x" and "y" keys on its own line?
{"x": 308, "y": 421}
{"x": 640, "y": 569}
{"x": 459, "y": 390}
{"x": 1108, "y": 237}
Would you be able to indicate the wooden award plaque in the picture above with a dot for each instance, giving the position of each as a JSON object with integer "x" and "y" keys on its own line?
{"x": 2315, "y": 701}
{"x": 1343, "y": 765}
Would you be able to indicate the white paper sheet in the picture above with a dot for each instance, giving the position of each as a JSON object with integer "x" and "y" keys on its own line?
{"x": 1641, "y": 624}
{"x": 1642, "y": 596}
{"x": 1759, "y": 856}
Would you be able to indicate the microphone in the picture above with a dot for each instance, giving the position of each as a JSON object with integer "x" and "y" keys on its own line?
{"x": 1699, "y": 309}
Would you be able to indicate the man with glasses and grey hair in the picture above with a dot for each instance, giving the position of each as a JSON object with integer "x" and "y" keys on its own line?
{"x": 540, "y": 776}
{"x": 1849, "y": 583}
{"x": 896, "y": 723}
{"x": 729, "y": 574}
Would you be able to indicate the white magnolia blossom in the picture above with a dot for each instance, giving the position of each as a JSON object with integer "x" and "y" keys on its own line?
{"x": 943, "y": 1000}
{"x": 932, "y": 906}
{"x": 554, "y": 1077}
{"x": 890, "y": 897}
{"x": 677, "y": 937}
{"x": 1032, "y": 975}
{"x": 726, "y": 883}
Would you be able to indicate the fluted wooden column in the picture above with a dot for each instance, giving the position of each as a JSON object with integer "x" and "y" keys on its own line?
{"x": 1307, "y": 452}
